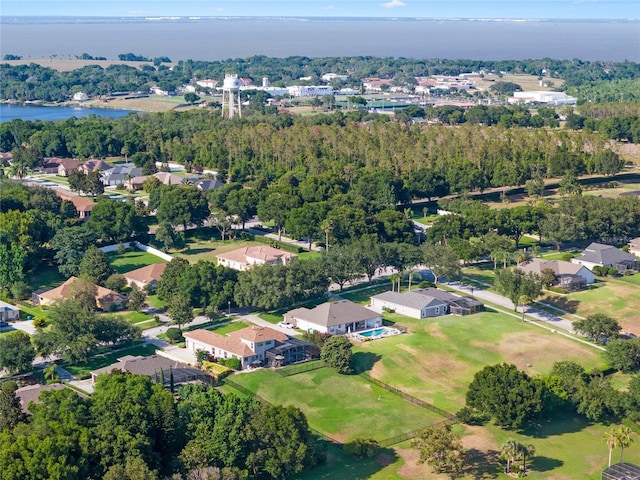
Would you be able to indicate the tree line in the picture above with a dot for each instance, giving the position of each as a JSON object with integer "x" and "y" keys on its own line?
{"x": 132, "y": 428}
{"x": 35, "y": 82}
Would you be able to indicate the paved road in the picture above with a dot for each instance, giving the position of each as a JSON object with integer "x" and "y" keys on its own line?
{"x": 551, "y": 319}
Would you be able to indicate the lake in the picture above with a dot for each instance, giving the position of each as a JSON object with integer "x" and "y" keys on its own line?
{"x": 221, "y": 38}
{"x": 36, "y": 112}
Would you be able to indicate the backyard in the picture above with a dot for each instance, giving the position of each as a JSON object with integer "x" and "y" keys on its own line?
{"x": 83, "y": 370}
{"x": 132, "y": 260}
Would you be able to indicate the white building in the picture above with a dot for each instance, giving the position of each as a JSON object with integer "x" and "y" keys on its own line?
{"x": 338, "y": 317}
{"x": 547, "y": 98}
{"x": 310, "y": 90}
{"x": 80, "y": 97}
{"x": 207, "y": 83}
{"x": 328, "y": 77}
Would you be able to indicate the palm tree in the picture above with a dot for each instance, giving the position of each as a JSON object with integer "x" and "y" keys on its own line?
{"x": 521, "y": 256}
{"x": 327, "y": 226}
{"x": 624, "y": 438}
{"x": 610, "y": 438}
{"x": 50, "y": 373}
{"x": 526, "y": 451}
{"x": 510, "y": 451}
{"x": 524, "y": 300}
{"x": 393, "y": 279}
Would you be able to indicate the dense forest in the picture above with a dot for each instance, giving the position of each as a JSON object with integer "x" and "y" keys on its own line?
{"x": 132, "y": 428}
{"x": 593, "y": 81}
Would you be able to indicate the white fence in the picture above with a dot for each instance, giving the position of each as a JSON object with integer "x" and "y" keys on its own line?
{"x": 139, "y": 246}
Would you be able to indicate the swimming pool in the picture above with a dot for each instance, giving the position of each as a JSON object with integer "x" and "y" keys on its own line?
{"x": 375, "y": 333}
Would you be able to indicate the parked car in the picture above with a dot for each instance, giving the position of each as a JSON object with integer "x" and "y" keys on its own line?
{"x": 286, "y": 325}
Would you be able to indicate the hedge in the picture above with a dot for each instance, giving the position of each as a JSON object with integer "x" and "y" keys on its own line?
{"x": 287, "y": 247}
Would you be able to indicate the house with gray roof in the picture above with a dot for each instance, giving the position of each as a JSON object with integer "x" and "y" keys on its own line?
{"x": 160, "y": 369}
{"x": 414, "y": 304}
{"x": 8, "y": 312}
{"x": 120, "y": 174}
{"x": 599, "y": 254}
{"x": 425, "y": 303}
{"x": 339, "y": 317}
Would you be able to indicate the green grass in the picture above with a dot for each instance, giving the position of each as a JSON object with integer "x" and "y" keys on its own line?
{"x": 46, "y": 276}
{"x": 228, "y": 328}
{"x": 309, "y": 255}
{"x": 364, "y": 295}
{"x": 208, "y": 249}
{"x": 137, "y": 317}
{"x": 34, "y": 312}
{"x": 155, "y": 302}
{"x": 341, "y": 406}
{"x": 271, "y": 317}
{"x": 421, "y": 362}
{"x": 132, "y": 260}
{"x": 632, "y": 279}
{"x": 83, "y": 370}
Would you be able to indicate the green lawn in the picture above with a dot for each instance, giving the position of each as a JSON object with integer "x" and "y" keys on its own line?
{"x": 422, "y": 361}
{"x": 83, "y": 370}
{"x": 271, "y": 317}
{"x": 341, "y": 406}
{"x": 131, "y": 260}
{"x": 228, "y": 328}
{"x": 208, "y": 249}
{"x": 137, "y": 317}
{"x": 632, "y": 279}
{"x": 46, "y": 276}
{"x": 155, "y": 302}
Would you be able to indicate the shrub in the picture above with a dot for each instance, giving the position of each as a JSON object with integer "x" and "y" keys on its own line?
{"x": 362, "y": 448}
{"x": 233, "y": 363}
{"x": 120, "y": 186}
{"x": 612, "y": 271}
{"x": 557, "y": 290}
{"x": 600, "y": 271}
{"x": 174, "y": 335}
{"x": 39, "y": 322}
{"x": 426, "y": 284}
{"x": 115, "y": 281}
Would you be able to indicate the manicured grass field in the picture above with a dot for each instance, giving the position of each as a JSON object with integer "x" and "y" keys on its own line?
{"x": 271, "y": 317}
{"x": 615, "y": 297}
{"x": 83, "y": 370}
{"x": 436, "y": 361}
{"x": 228, "y": 328}
{"x": 131, "y": 260}
{"x": 341, "y": 406}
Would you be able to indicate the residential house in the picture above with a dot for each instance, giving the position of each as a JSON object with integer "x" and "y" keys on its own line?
{"x": 569, "y": 276}
{"x": 8, "y": 313}
{"x": 414, "y": 304}
{"x": 83, "y": 205}
{"x": 245, "y": 258}
{"x": 94, "y": 166}
{"x": 160, "y": 369}
{"x": 31, "y": 393}
{"x": 145, "y": 277}
{"x": 250, "y": 346}
{"x": 120, "y": 174}
{"x": 598, "y": 254}
{"x": 342, "y": 316}
{"x": 50, "y": 165}
{"x": 66, "y": 166}
{"x": 208, "y": 184}
{"x": 105, "y": 298}
{"x": 167, "y": 178}
{"x": 425, "y": 303}
{"x": 634, "y": 246}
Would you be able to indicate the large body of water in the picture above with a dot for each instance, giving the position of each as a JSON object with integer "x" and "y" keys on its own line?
{"x": 222, "y": 38}
{"x": 34, "y": 112}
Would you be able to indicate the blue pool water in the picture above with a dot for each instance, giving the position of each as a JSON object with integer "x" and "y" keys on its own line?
{"x": 373, "y": 333}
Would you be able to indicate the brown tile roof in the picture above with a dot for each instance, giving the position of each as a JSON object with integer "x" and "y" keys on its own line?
{"x": 233, "y": 342}
{"x": 141, "y": 365}
{"x": 262, "y": 252}
{"x": 82, "y": 204}
{"x": 146, "y": 274}
{"x": 63, "y": 291}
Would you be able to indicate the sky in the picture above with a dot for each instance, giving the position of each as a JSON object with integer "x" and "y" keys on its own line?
{"x": 554, "y": 9}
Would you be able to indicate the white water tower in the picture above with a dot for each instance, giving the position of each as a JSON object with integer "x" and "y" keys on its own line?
{"x": 231, "y": 89}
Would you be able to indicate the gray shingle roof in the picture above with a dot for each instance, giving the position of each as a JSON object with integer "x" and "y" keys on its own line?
{"x": 330, "y": 314}
{"x": 606, "y": 255}
{"x": 414, "y": 299}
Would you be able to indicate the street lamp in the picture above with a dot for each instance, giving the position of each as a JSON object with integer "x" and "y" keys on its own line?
{"x": 229, "y": 305}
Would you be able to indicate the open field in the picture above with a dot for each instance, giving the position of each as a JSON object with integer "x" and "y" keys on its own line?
{"x": 617, "y": 298}
{"x": 527, "y": 82}
{"x": 131, "y": 260}
{"x": 67, "y": 64}
{"x": 341, "y": 406}
{"x": 152, "y": 103}
{"x": 421, "y": 362}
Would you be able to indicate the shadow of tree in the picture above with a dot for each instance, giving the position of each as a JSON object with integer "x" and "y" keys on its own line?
{"x": 561, "y": 423}
{"x": 338, "y": 465}
{"x": 540, "y": 463}
{"x": 196, "y": 251}
{"x": 364, "y": 361}
{"x": 567, "y": 304}
{"x": 480, "y": 464}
